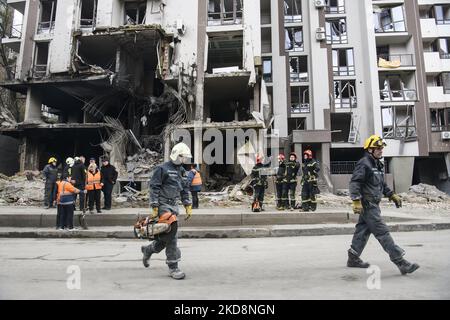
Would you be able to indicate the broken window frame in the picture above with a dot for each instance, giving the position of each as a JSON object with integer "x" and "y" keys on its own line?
{"x": 297, "y": 76}
{"x": 443, "y": 47}
{"x": 387, "y": 94}
{"x": 405, "y": 129}
{"x": 128, "y": 21}
{"x": 440, "y": 119}
{"x": 303, "y": 105}
{"x": 297, "y": 8}
{"x": 347, "y": 102}
{"x": 224, "y": 17}
{"x": 94, "y": 15}
{"x": 292, "y": 44}
{"x": 300, "y": 124}
{"x": 47, "y": 26}
{"x": 387, "y": 22}
{"x": 267, "y": 69}
{"x": 338, "y": 7}
{"x": 347, "y": 69}
{"x": 441, "y": 14}
{"x": 336, "y": 34}
{"x": 40, "y": 70}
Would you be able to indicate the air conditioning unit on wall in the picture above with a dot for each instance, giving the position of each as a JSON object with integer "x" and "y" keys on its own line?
{"x": 445, "y": 135}
{"x": 319, "y": 3}
{"x": 320, "y": 36}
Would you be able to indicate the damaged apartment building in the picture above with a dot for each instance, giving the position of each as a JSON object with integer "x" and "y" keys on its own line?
{"x": 118, "y": 76}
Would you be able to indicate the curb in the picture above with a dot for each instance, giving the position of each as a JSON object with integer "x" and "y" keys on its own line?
{"x": 221, "y": 233}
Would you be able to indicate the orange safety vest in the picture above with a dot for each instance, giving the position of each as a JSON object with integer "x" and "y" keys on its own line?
{"x": 93, "y": 181}
{"x": 197, "y": 181}
{"x": 65, "y": 192}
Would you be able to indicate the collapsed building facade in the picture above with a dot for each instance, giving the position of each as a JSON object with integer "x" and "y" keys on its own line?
{"x": 116, "y": 76}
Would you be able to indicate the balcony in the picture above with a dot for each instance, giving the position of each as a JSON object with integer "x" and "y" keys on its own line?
{"x": 15, "y": 39}
{"x": 406, "y": 95}
{"x": 431, "y": 30}
{"x": 436, "y": 62}
{"x": 396, "y": 60}
{"x": 438, "y": 95}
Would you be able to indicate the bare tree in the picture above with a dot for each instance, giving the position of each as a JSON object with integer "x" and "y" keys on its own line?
{"x": 8, "y": 98}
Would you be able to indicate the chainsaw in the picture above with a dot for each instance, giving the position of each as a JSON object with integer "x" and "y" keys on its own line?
{"x": 148, "y": 228}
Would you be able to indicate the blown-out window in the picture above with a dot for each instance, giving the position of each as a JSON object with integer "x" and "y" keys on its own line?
{"x": 294, "y": 39}
{"x": 336, "y": 31}
{"x": 343, "y": 62}
{"x": 345, "y": 94}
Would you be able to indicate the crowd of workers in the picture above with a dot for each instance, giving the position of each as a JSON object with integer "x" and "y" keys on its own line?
{"x": 64, "y": 184}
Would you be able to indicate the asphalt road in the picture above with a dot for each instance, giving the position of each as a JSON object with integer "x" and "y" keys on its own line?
{"x": 264, "y": 268}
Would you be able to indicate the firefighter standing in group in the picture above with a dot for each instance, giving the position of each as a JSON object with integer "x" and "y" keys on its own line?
{"x": 51, "y": 176}
{"x": 367, "y": 188}
{"x": 280, "y": 181}
{"x": 292, "y": 168}
{"x": 167, "y": 185}
{"x": 310, "y": 174}
{"x": 259, "y": 184}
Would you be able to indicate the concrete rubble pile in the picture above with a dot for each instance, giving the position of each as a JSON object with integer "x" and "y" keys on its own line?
{"x": 424, "y": 193}
{"x": 25, "y": 188}
{"x": 140, "y": 165}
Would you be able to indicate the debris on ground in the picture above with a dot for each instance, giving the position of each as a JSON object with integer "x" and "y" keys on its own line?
{"x": 140, "y": 165}
{"x": 25, "y": 188}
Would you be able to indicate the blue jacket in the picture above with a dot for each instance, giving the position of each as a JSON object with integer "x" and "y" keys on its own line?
{"x": 167, "y": 185}
{"x": 367, "y": 181}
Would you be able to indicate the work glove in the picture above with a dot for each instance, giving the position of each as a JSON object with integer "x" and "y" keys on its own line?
{"x": 154, "y": 213}
{"x": 357, "y": 206}
{"x": 396, "y": 199}
{"x": 188, "y": 211}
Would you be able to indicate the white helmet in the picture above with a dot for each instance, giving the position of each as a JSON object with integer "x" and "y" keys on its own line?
{"x": 180, "y": 150}
{"x": 70, "y": 161}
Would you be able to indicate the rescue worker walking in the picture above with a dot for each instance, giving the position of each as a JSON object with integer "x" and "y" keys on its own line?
{"x": 51, "y": 176}
{"x": 167, "y": 185}
{"x": 292, "y": 168}
{"x": 94, "y": 187}
{"x": 109, "y": 177}
{"x": 65, "y": 200}
{"x": 367, "y": 187}
{"x": 280, "y": 181}
{"x": 259, "y": 184}
{"x": 195, "y": 184}
{"x": 310, "y": 174}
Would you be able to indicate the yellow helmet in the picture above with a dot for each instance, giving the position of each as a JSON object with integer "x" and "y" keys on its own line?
{"x": 52, "y": 159}
{"x": 374, "y": 141}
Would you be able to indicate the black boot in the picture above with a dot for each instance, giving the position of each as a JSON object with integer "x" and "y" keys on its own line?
{"x": 406, "y": 267}
{"x": 147, "y": 253}
{"x": 355, "y": 262}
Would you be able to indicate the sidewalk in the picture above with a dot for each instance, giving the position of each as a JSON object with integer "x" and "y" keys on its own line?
{"x": 34, "y": 222}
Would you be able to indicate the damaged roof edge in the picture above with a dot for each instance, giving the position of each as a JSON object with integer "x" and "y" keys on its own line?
{"x": 122, "y": 30}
